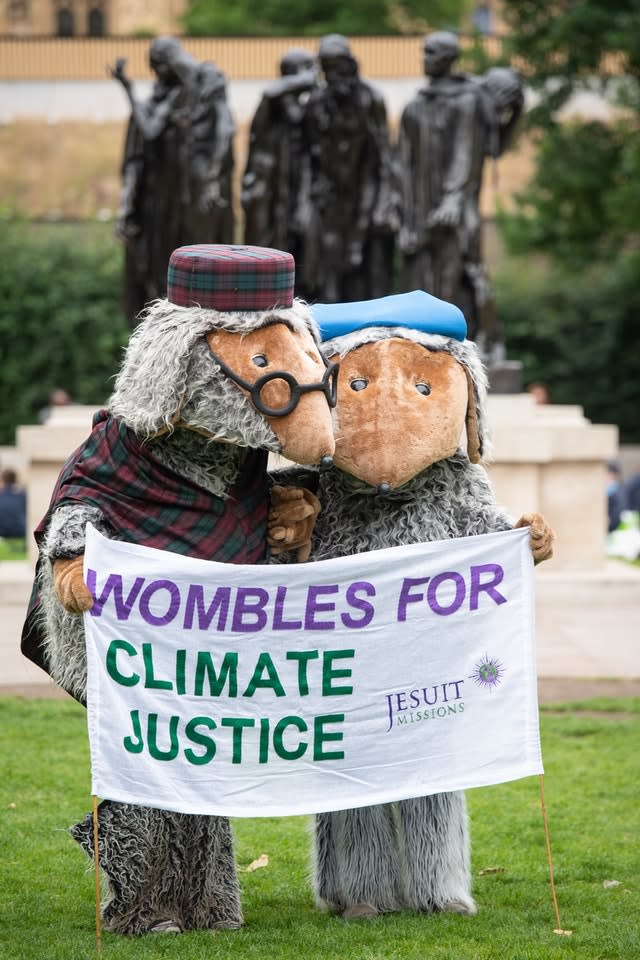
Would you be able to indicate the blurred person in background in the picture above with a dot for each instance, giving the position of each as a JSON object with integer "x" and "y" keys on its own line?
{"x": 13, "y": 506}
{"x": 539, "y": 391}
{"x": 58, "y": 397}
{"x": 616, "y": 501}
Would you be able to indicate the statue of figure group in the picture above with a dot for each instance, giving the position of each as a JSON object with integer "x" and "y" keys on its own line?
{"x": 322, "y": 179}
{"x": 177, "y": 168}
{"x": 328, "y": 154}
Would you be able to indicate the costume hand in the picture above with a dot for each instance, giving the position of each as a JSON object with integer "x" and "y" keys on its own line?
{"x": 71, "y": 590}
{"x": 541, "y": 536}
{"x": 291, "y": 520}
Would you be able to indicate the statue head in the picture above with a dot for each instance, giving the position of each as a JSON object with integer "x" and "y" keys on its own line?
{"x": 440, "y": 50}
{"x": 168, "y": 60}
{"x": 505, "y": 83}
{"x": 295, "y": 60}
{"x": 338, "y": 64}
{"x": 162, "y": 53}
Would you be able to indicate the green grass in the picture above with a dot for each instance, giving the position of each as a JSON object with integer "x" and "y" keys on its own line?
{"x": 591, "y": 790}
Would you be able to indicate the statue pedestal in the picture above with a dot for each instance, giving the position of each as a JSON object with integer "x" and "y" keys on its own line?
{"x": 43, "y": 450}
{"x": 550, "y": 459}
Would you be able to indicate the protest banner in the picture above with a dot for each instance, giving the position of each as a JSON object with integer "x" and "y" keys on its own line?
{"x": 252, "y": 691}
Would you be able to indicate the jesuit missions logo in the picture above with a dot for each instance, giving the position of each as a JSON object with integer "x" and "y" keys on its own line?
{"x": 440, "y": 701}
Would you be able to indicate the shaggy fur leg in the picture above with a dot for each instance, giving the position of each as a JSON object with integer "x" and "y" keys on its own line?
{"x": 163, "y": 866}
{"x": 434, "y": 839}
{"x": 356, "y": 860}
{"x": 210, "y": 889}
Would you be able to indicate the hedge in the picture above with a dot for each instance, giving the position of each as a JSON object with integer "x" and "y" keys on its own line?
{"x": 61, "y": 319}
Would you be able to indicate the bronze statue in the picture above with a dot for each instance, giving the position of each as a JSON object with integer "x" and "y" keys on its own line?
{"x": 176, "y": 169}
{"x": 272, "y": 177}
{"x": 345, "y": 208}
{"x": 446, "y": 132}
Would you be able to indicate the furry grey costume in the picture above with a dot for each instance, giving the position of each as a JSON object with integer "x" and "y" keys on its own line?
{"x": 165, "y": 870}
{"x": 415, "y": 853}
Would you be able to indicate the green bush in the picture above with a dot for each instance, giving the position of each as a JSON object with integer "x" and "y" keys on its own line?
{"x": 61, "y": 319}
{"x": 579, "y": 333}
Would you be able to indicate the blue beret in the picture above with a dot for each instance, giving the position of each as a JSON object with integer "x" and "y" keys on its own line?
{"x": 418, "y": 310}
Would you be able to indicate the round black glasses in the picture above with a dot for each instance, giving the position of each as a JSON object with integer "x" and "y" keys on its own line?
{"x": 328, "y": 385}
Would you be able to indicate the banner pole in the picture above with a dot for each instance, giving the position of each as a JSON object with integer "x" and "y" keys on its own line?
{"x": 558, "y": 929}
{"x": 96, "y": 860}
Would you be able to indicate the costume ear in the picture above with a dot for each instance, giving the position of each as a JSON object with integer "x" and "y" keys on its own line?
{"x": 151, "y": 384}
{"x": 474, "y": 441}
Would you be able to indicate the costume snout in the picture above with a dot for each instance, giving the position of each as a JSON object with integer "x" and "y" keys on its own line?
{"x": 297, "y": 404}
{"x": 400, "y": 408}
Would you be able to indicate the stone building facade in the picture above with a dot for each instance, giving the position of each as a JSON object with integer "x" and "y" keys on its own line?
{"x": 90, "y": 18}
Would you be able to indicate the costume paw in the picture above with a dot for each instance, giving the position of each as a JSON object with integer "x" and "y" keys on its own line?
{"x": 71, "y": 590}
{"x": 166, "y": 926}
{"x": 360, "y": 911}
{"x": 291, "y": 520}
{"x": 465, "y": 907}
{"x": 541, "y": 536}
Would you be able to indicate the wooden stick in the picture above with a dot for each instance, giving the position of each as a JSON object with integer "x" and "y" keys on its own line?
{"x": 559, "y": 930}
{"x": 96, "y": 859}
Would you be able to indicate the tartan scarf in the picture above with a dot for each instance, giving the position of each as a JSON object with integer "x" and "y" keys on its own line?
{"x": 147, "y": 503}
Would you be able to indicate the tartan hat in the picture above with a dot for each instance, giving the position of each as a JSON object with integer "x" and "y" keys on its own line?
{"x": 226, "y": 277}
{"x": 418, "y": 310}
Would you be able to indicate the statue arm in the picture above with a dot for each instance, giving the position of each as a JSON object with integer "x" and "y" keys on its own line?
{"x": 385, "y": 213}
{"x": 293, "y": 83}
{"x": 459, "y": 174}
{"x": 408, "y": 238}
{"x": 150, "y": 118}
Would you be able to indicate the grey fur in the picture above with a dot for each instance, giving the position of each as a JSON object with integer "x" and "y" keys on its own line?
{"x": 163, "y": 866}
{"x": 173, "y": 866}
{"x": 414, "y": 854}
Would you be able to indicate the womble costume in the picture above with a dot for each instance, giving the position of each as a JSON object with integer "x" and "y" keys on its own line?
{"x": 409, "y": 384}
{"x": 221, "y": 372}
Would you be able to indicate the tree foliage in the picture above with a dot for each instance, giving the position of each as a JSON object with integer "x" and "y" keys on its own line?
{"x": 280, "y": 18}
{"x": 575, "y": 325}
{"x": 578, "y": 332}
{"x": 584, "y": 199}
{"x": 61, "y": 322}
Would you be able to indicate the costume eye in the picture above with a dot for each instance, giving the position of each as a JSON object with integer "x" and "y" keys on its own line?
{"x": 259, "y": 360}
{"x": 423, "y": 388}
{"x": 359, "y": 384}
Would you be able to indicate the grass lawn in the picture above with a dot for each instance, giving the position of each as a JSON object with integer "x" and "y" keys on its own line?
{"x": 592, "y": 764}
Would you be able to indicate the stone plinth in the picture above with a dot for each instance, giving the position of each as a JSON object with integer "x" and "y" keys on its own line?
{"x": 550, "y": 459}
{"x": 43, "y": 450}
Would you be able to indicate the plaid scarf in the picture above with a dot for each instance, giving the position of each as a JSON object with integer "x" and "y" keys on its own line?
{"x": 146, "y": 503}
{"x": 149, "y": 504}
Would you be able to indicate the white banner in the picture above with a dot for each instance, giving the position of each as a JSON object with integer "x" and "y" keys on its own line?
{"x": 252, "y": 691}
